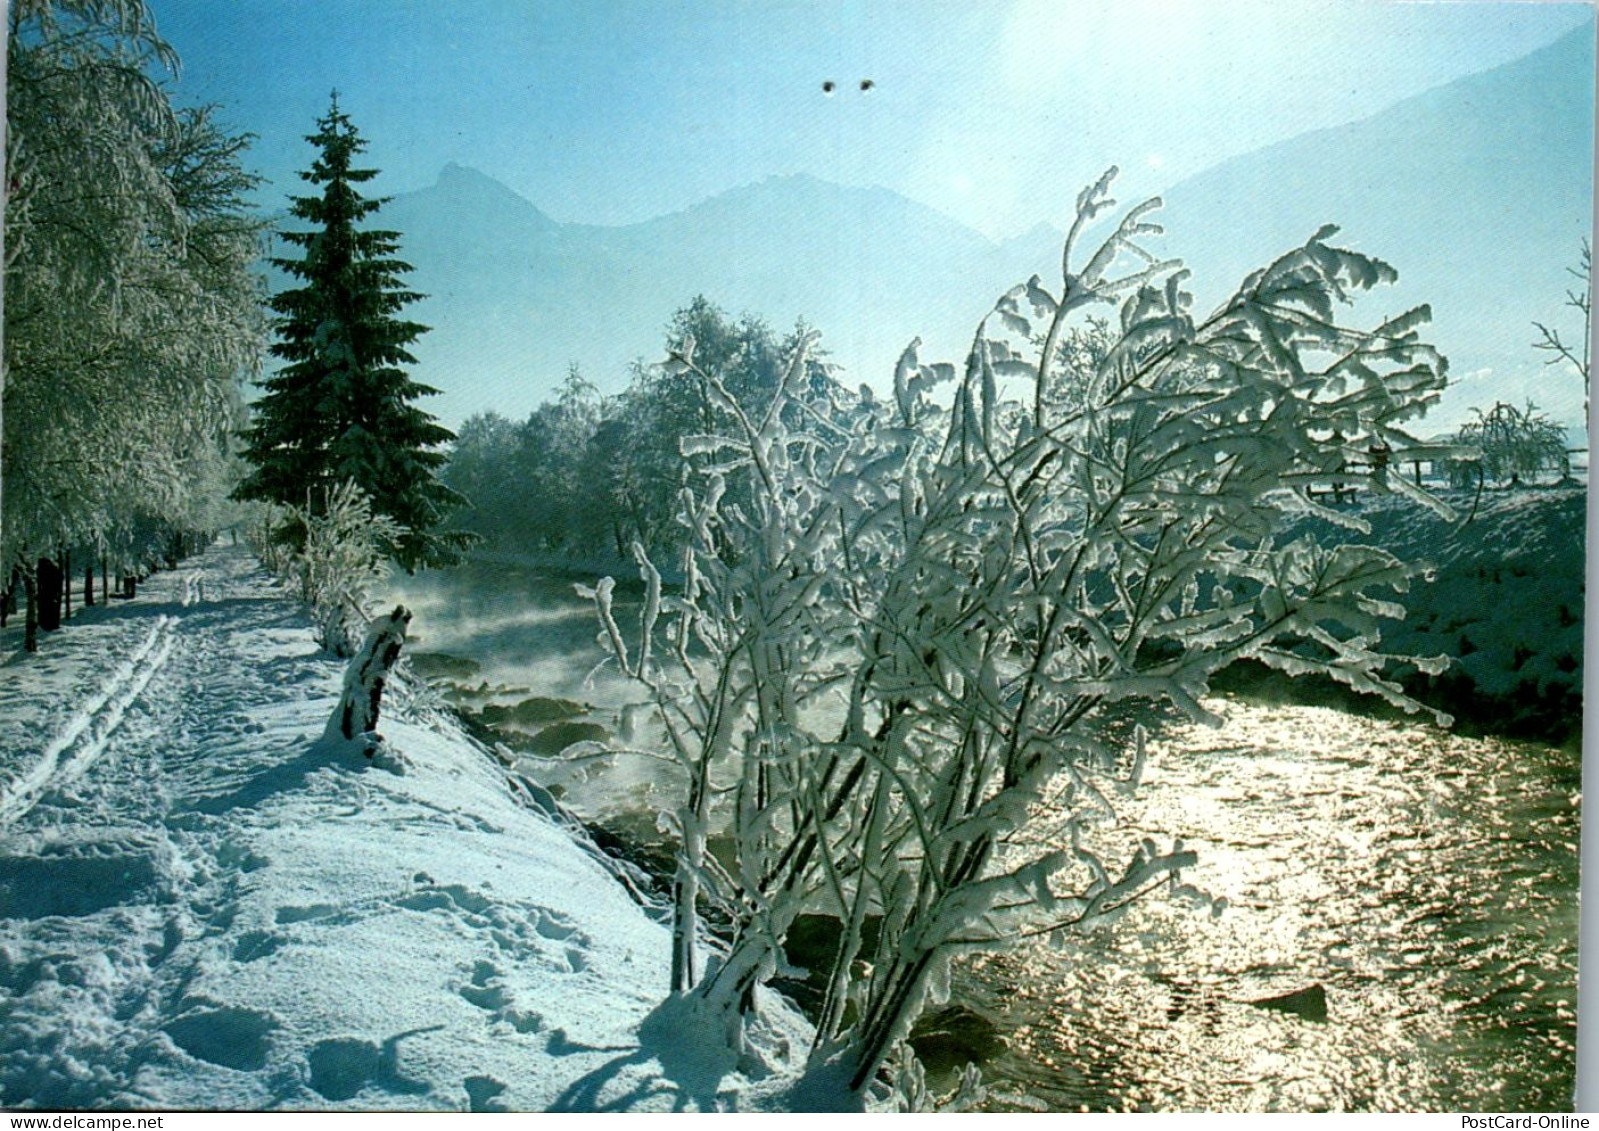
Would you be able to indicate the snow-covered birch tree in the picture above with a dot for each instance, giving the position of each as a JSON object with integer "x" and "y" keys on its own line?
{"x": 130, "y": 308}
{"x": 895, "y": 653}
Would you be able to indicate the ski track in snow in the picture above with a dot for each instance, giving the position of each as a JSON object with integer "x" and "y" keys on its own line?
{"x": 95, "y": 841}
{"x": 203, "y": 906}
{"x": 84, "y": 738}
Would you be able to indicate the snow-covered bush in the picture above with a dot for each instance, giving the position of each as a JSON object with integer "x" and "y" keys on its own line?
{"x": 1512, "y": 445}
{"x": 332, "y": 558}
{"x": 261, "y": 525}
{"x": 895, "y": 652}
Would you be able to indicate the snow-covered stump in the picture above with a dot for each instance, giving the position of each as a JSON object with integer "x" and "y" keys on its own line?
{"x": 356, "y": 717}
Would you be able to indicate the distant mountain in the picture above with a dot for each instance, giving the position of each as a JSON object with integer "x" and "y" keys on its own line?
{"x": 514, "y": 297}
{"x": 1479, "y": 192}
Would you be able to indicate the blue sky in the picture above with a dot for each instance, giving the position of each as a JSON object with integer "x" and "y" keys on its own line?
{"x": 611, "y": 111}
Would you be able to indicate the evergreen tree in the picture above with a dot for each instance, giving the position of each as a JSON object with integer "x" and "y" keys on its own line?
{"x": 340, "y": 410}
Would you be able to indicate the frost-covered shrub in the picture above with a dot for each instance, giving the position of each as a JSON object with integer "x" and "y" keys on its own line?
{"x": 331, "y": 557}
{"x": 891, "y": 657}
{"x": 1512, "y": 445}
{"x": 261, "y": 528}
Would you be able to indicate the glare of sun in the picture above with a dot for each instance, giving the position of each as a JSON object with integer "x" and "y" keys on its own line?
{"x": 1047, "y": 42}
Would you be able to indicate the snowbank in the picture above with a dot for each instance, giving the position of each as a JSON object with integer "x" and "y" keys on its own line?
{"x": 205, "y": 906}
{"x": 1504, "y": 600}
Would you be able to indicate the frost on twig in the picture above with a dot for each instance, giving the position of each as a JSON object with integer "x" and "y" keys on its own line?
{"x": 902, "y": 622}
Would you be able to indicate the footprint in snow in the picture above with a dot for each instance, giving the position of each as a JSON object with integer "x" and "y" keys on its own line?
{"x": 554, "y": 925}
{"x": 253, "y": 945}
{"x": 77, "y": 881}
{"x": 171, "y": 937}
{"x": 481, "y": 1092}
{"x": 445, "y": 897}
{"x": 236, "y": 856}
{"x": 314, "y": 913}
{"x": 232, "y": 1038}
{"x": 486, "y": 991}
{"x": 343, "y": 1066}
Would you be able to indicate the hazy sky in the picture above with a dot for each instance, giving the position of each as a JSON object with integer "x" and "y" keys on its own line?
{"x": 611, "y": 111}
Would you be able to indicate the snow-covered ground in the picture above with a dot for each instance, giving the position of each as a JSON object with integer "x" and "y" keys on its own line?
{"x": 1504, "y": 599}
{"x": 203, "y": 905}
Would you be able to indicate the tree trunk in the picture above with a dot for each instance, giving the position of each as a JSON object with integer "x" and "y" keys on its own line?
{"x": 66, "y": 584}
{"x": 130, "y": 586}
{"x": 685, "y": 885}
{"x": 88, "y": 583}
{"x": 30, "y": 631}
{"x": 364, "y": 680}
{"x": 47, "y": 594}
{"x": 105, "y": 578}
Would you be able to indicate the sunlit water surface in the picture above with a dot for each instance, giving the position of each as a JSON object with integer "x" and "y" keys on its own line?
{"x": 1426, "y": 883}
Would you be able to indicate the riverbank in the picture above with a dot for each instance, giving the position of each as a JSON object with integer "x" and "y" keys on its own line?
{"x": 1401, "y": 887}
{"x": 1503, "y": 596}
{"x": 206, "y": 906}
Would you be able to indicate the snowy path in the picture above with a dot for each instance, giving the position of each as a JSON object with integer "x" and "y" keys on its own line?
{"x": 85, "y": 735}
{"x": 202, "y": 906}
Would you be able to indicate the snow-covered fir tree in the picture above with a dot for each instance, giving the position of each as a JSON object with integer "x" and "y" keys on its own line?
{"x": 341, "y": 408}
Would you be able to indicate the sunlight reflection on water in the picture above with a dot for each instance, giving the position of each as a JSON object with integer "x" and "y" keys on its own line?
{"x": 1427, "y": 882}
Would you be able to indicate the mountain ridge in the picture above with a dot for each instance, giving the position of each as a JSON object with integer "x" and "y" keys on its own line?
{"x": 1455, "y": 187}
{"x": 516, "y": 296}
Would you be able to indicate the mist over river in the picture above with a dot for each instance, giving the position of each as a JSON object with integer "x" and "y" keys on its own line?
{"x": 1400, "y": 920}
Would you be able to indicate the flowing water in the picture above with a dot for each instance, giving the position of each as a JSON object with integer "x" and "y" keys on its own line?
{"x": 1400, "y": 928}
{"x": 1415, "y": 893}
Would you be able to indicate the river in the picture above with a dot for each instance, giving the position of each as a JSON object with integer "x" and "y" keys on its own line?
{"x": 1400, "y": 929}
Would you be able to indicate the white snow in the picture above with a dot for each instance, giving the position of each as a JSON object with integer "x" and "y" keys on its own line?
{"x": 203, "y": 904}
{"x": 1505, "y": 594}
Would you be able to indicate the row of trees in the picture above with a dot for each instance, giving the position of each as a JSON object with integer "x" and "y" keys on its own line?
{"x": 586, "y": 476}
{"x": 131, "y": 309}
{"x": 133, "y": 314}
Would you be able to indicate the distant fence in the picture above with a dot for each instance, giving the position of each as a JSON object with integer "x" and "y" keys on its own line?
{"x": 1435, "y": 473}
